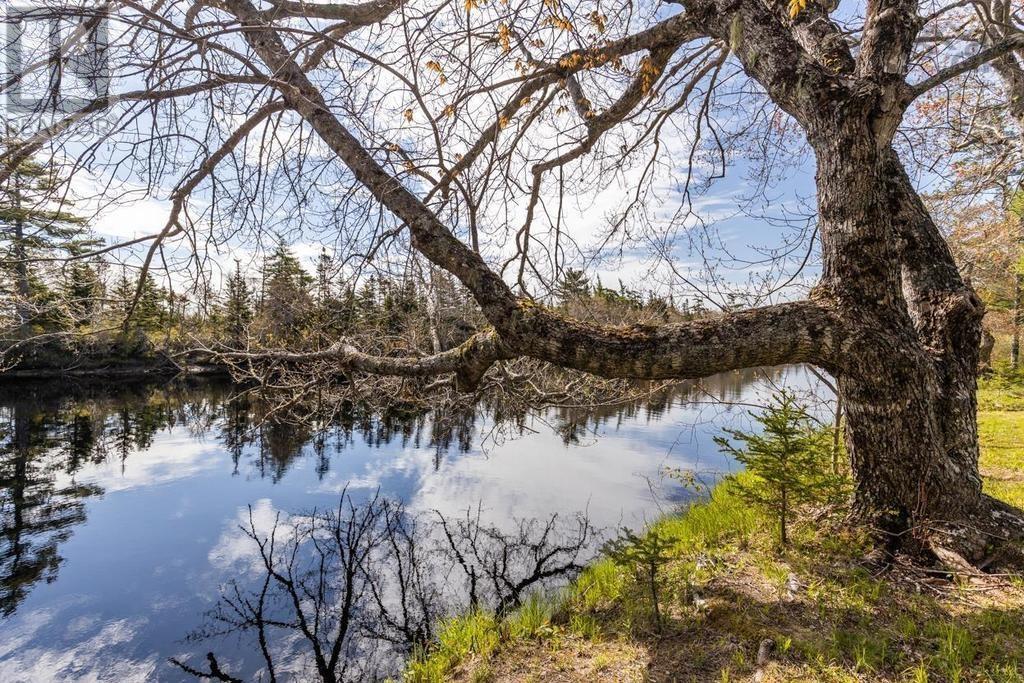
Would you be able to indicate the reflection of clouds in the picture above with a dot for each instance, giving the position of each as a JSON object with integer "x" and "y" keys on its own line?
{"x": 610, "y": 477}
{"x": 235, "y": 550}
{"x": 175, "y": 458}
{"x": 79, "y": 627}
{"x": 12, "y": 640}
{"x": 534, "y": 476}
{"x": 91, "y": 651}
{"x": 409, "y": 462}
{"x": 334, "y": 482}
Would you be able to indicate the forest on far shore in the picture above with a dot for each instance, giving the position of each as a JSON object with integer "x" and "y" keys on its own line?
{"x": 63, "y": 305}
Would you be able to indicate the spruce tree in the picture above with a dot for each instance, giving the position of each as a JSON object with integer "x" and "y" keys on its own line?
{"x": 368, "y": 311}
{"x": 82, "y": 290}
{"x": 330, "y": 314}
{"x": 573, "y": 286}
{"x": 36, "y": 222}
{"x": 286, "y": 295}
{"x": 149, "y": 312}
{"x": 238, "y": 312}
{"x": 789, "y": 461}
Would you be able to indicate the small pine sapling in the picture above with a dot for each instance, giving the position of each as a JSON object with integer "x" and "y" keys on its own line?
{"x": 789, "y": 461}
{"x": 644, "y": 554}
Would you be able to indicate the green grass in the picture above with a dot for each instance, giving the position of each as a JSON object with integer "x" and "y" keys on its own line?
{"x": 1002, "y": 391}
{"x": 725, "y": 590}
{"x": 724, "y": 519}
{"x": 1002, "y": 455}
{"x": 460, "y": 638}
{"x": 1001, "y": 433}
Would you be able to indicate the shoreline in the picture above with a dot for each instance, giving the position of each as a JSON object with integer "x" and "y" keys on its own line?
{"x": 738, "y": 607}
{"x": 127, "y": 370}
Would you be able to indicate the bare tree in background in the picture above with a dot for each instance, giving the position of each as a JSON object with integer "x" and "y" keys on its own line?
{"x": 461, "y": 130}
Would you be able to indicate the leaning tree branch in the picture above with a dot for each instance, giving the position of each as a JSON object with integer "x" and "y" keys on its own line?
{"x": 468, "y": 361}
{"x": 985, "y": 56}
{"x": 362, "y": 14}
{"x": 788, "y": 333}
{"x": 797, "y": 332}
{"x": 429, "y": 236}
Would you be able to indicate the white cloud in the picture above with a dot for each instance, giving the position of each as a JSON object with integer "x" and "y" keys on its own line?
{"x": 235, "y": 550}
{"x": 97, "y": 652}
{"x": 169, "y": 459}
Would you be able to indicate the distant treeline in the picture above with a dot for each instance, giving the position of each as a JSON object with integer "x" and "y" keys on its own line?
{"x": 59, "y": 304}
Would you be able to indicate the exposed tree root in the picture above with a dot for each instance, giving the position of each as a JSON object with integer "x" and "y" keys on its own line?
{"x": 991, "y": 541}
{"x": 988, "y": 545}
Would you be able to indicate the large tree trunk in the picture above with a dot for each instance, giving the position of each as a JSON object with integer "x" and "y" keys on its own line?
{"x": 909, "y": 382}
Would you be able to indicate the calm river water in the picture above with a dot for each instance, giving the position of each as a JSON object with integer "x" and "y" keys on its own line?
{"x": 124, "y": 507}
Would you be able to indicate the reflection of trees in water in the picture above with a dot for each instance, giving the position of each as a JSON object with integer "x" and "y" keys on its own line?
{"x": 46, "y": 437}
{"x": 348, "y": 594}
{"x": 572, "y": 423}
{"x": 48, "y": 430}
{"x": 36, "y": 514}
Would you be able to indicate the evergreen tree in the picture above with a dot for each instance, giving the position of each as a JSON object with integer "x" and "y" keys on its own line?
{"x": 149, "y": 313}
{"x": 347, "y": 309}
{"x": 35, "y": 222}
{"x": 174, "y": 311}
{"x": 399, "y": 305}
{"x": 82, "y": 291}
{"x": 330, "y": 314}
{"x": 324, "y": 275}
{"x": 238, "y": 312}
{"x": 573, "y": 286}
{"x": 368, "y": 312}
{"x": 644, "y": 554}
{"x": 286, "y": 298}
{"x": 789, "y": 461}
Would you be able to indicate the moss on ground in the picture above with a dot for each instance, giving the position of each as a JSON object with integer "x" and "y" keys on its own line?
{"x": 728, "y": 589}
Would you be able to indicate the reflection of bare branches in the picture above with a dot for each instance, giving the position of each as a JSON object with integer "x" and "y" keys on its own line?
{"x": 405, "y": 597}
{"x": 501, "y": 569}
{"x": 315, "y": 586}
{"x": 214, "y": 673}
{"x": 358, "y": 587}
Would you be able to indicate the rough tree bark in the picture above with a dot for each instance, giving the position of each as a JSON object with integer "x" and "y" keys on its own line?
{"x": 912, "y": 326}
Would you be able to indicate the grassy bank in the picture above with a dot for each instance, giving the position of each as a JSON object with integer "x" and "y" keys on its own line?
{"x": 727, "y": 589}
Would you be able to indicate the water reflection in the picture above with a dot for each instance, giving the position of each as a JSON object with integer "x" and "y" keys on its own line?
{"x": 120, "y": 503}
{"x": 36, "y": 513}
{"x": 346, "y": 594}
